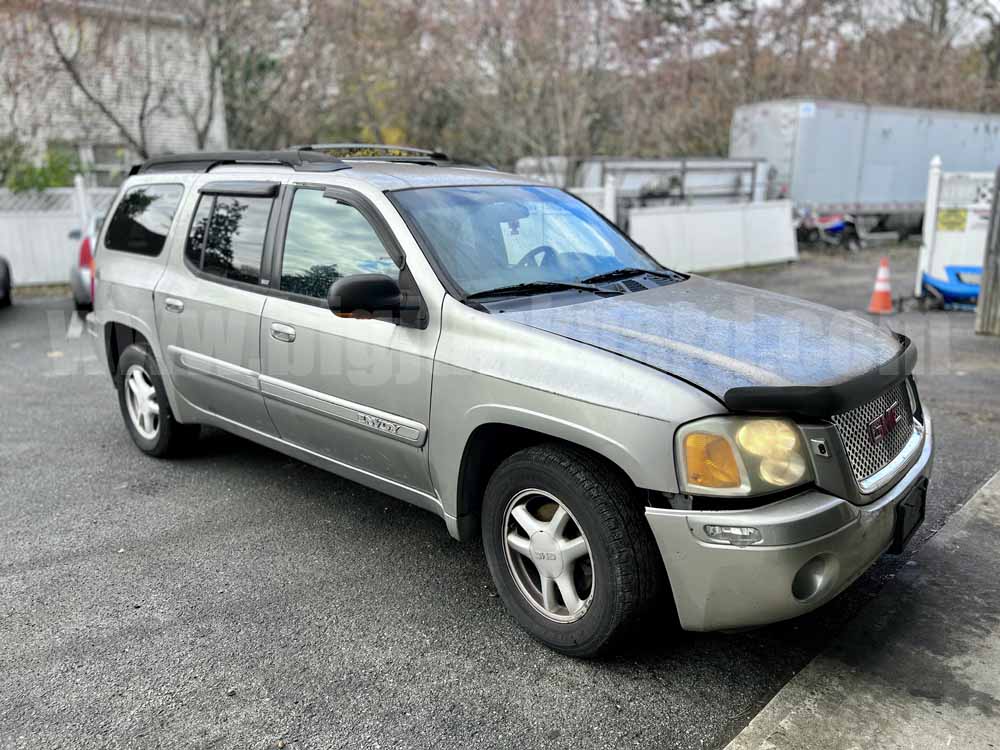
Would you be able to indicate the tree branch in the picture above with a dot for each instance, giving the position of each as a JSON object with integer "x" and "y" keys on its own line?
{"x": 69, "y": 65}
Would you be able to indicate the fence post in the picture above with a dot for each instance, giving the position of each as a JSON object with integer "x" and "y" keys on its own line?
{"x": 82, "y": 201}
{"x": 988, "y": 307}
{"x": 610, "y": 199}
{"x": 929, "y": 231}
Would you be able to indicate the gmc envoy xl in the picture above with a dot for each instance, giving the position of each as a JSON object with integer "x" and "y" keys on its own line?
{"x": 621, "y": 436}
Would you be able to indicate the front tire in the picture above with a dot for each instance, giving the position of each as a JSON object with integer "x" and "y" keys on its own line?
{"x": 145, "y": 408}
{"x": 570, "y": 550}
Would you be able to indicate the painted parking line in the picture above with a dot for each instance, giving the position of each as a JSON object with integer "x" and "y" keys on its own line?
{"x": 75, "y": 329}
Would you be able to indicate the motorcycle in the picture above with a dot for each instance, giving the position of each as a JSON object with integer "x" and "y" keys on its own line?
{"x": 840, "y": 230}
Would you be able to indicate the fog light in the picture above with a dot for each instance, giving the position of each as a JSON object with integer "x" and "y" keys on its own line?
{"x": 815, "y": 577}
{"x": 738, "y": 535}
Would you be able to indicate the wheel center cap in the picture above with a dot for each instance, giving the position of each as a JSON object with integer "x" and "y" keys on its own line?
{"x": 546, "y": 555}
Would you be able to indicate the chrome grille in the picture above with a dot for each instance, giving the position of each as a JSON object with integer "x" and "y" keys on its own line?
{"x": 867, "y": 457}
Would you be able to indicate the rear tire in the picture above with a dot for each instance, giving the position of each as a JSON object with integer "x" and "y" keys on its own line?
{"x": 145, "y": 408}
{"x": 569, "y": 548}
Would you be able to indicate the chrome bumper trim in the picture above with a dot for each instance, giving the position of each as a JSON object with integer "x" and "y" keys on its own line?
{"x": 887, "y": 473}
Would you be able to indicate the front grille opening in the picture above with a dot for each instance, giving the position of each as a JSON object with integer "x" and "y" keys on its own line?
{"x": 867, "y": 454}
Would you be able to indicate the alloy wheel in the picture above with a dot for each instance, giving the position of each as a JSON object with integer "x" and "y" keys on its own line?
{"x": 140, "y": 400}
{"x": 548, "y": 555}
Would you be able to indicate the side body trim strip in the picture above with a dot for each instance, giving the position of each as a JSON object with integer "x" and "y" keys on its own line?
{"x": 373, "y": 420}
{"x": 364, "y": 417}
{"x": 368, "y": 478}
{"x": 214, "y": 368}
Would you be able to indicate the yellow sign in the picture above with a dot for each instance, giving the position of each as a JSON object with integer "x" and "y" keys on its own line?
{"x": 952, "y": 219}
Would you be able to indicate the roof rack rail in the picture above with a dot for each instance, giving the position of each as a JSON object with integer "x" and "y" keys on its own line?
{"x": 409, "y": 150}
{"x": 301, "y": 160}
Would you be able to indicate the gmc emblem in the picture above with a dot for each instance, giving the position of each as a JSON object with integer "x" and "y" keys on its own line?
{"x": 880, "y": 427}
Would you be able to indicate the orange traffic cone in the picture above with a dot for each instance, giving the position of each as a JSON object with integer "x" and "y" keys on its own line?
{"x": 881, "y": 302}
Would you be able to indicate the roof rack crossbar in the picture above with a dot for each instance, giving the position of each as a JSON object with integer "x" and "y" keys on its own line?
{"x": 319, "y": 147}
{"x": 298, "y": 159}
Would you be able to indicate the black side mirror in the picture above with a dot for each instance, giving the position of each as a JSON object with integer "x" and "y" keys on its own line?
{"x": 370, "y": 296}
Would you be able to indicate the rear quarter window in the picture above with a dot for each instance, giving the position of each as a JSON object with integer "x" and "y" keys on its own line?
{"x": 142, "y": 219}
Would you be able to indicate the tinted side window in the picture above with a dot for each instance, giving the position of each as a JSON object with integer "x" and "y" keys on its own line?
{"x": 327, "y": 239}
{"x": 234, "y": 242}
{"x": 142, "y": 219}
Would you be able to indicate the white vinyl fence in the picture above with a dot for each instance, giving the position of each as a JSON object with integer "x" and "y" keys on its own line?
{"x": 956, "y": 222}
{"x": 712, "y": 237}
{"x": 35, "y": 227}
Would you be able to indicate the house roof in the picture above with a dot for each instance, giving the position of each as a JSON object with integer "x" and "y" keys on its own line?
{"x": 161, "y": 11}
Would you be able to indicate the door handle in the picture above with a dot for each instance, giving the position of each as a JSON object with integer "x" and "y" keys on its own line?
{"x": 173, "y": 305}
{"x": 281, "y": 332}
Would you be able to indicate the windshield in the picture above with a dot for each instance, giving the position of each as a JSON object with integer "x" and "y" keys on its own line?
{"x": 491, "y": 237}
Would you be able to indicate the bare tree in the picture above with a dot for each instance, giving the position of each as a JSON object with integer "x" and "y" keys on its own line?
{"x": 497, "y": 79}
{"x": 78, "y": 54}
{"x": 158, "y": 46}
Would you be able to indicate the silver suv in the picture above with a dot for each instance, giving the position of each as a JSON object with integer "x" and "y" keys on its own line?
{"x": 622, "y": 436}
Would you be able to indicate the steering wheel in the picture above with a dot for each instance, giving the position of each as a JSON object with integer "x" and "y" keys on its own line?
{"x": 528, "y": 261}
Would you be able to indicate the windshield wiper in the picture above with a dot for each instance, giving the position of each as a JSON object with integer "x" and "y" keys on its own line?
{"x": 621, "y": 273}
{"x": 537, "y": 287}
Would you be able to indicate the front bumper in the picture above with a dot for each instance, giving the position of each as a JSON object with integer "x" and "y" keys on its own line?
{"x": 815, "y": 545}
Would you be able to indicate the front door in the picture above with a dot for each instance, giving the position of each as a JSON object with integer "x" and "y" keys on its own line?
{"x": 354, "y": 391}
{"x": 209, "y": 304}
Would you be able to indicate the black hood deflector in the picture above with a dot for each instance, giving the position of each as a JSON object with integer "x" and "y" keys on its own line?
{"x": 825, "y": 400}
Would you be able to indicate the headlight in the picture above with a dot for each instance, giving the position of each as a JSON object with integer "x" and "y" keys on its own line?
{"x": 740, "y": 456}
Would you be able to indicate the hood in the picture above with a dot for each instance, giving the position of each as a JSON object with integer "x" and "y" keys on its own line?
{"x": 721, "y": 336}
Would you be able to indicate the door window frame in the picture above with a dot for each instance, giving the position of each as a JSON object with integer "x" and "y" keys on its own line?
{"x": 237, "y": 189}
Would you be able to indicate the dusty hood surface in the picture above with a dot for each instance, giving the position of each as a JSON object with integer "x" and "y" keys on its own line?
{"x": 721, "y": 336}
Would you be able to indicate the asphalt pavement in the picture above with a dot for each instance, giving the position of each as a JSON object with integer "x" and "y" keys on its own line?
{"x": 236, "y": 598}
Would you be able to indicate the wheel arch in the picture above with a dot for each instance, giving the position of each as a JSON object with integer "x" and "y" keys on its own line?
{"x": 493, "y": 441}
{"x": 117, "y": 338}
{"x": 119, "y": 334}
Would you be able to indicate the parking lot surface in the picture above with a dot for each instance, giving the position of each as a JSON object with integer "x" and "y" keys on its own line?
{"x": 235, "y": 598}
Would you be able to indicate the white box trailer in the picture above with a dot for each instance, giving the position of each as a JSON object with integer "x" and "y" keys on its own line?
{"x": 830, "y": 156}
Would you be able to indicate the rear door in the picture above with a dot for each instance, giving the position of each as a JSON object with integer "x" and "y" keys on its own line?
{"x": 136, "y": 247}
{"x": 355, "y": 391}
{"x": 209, "y": 303}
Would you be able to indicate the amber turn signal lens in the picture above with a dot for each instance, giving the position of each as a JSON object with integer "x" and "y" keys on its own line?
{"x": 710, "y": 461}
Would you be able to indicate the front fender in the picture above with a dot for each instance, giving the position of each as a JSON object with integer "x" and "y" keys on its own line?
{"x": 620, "y": 450}
{"x": 640, "y": 446}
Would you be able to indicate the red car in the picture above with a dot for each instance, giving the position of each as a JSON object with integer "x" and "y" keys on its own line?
{"x": 81, "y": 275}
